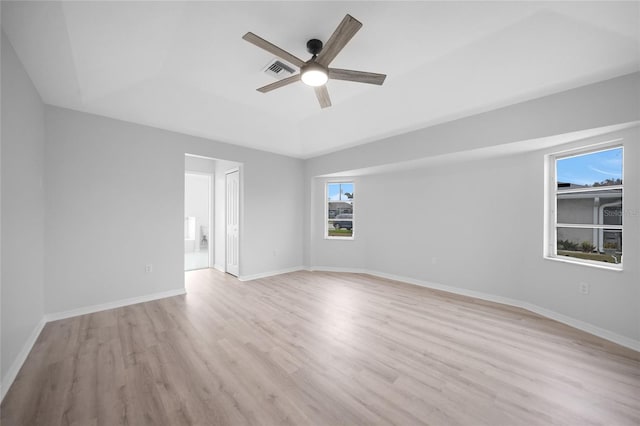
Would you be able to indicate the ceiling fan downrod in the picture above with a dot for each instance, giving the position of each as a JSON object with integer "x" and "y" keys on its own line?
{"x": 314, "y": 46}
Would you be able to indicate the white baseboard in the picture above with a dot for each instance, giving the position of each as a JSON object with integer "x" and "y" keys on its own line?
{"x": 111, "y": 305}
{"x": 337, "y": 269}
{"x": 449, "y": 289}
{"x": 11, "y": 374}
{"x": 8, "y": 379}
{"x": 575, "y": 323}
{"x": 219, "y": 268}
{"x": 584, "y": 326}
{"x": 270, "y": 273}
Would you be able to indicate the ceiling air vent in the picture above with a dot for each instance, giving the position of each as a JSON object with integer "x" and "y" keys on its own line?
{"x": 278, "y": 69}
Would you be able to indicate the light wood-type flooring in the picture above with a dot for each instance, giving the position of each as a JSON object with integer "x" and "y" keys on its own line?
{"x": 313, "y": 348}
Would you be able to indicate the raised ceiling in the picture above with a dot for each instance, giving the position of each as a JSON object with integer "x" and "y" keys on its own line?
{"x": 183, "y": 66}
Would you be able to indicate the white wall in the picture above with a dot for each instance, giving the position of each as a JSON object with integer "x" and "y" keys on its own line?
{"x": 22, "y": 168}
{"x": 208, "y": 167}
{"x": 117, "y": 189}
{"x": 448, "y": 207}
{"x": 196, "y": 204}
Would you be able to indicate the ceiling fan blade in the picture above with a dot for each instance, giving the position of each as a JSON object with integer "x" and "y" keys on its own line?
{"x": 358, "y": 76}
{"x": 323, "y": 96}
{"x": 340, "y": 37}
{"x": 272, "y": 48}
{"x": 279, "y": 83}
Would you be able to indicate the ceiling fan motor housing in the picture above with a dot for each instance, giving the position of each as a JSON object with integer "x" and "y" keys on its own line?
{"x": 314, "y": 46}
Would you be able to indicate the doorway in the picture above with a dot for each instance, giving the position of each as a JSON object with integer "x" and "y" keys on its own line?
{"x": 220, "y": 249}
{"x": 197, "y": 220}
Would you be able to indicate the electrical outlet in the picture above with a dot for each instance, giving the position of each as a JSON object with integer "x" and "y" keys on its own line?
{"x": 583, "y": 288}
{"x": 148, "y": 268}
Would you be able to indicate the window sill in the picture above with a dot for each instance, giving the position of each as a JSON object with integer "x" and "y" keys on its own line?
{"x": 339, "y": 238}
{"x": 598, "y": 265}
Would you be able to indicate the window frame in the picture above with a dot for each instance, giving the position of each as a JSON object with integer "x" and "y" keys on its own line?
{"x": 326, "y": 210}
{"x": 552, "y": 192}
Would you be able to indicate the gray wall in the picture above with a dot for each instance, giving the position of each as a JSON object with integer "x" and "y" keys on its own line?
{"x": 22, "y": 269}
{"x": 120, "y": 187}
{"x": 449, "y": 231}
{"x": 479, "y": 226}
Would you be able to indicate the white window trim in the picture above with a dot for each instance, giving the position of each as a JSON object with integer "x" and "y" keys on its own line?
{"x": 551, "y": 191}
{"x": 326, "y": 211}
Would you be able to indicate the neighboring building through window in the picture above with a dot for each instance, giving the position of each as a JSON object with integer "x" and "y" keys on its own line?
{"x": 339, "y": 210}
{"x": 587, "y": 210}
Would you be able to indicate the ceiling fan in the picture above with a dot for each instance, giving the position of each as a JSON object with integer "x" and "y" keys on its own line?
{"x": 315, "y": 72}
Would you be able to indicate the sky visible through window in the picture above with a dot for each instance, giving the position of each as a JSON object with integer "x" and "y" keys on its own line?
{"x": 338, "y": 191}
{"x": 591, "y": 168}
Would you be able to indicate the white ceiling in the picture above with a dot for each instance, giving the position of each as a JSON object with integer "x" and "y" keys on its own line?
{"x": 183, "y": 66}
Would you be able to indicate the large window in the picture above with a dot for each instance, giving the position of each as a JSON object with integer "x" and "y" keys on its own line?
{"x": 339, "y": 210}
{"x": 586, "y": 207}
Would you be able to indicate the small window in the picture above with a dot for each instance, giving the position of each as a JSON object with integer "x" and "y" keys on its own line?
{"x": 339, "y": 210}
{"x": 586, "y": 206}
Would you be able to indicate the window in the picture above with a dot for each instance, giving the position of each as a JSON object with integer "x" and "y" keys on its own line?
{"x": 339, "y": 210}
{"x": 586, "y": 207}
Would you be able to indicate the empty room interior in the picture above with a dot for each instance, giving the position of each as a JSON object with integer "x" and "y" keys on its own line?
{"x": 320, "y": 213}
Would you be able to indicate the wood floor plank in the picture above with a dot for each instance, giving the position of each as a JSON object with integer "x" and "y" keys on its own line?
{"x": 320, "y": 348}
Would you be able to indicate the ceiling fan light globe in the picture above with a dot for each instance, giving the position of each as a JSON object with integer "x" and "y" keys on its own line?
{"x": 314, "y": 77}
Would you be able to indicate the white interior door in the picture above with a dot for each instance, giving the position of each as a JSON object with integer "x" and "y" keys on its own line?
{"x": 233, "y": 222}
